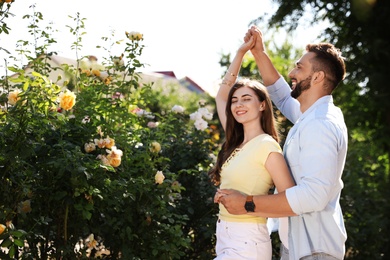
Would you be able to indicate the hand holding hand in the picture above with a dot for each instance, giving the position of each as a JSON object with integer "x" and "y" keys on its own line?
{"x": 248, "y": 44}
{"x": 255, "y": 33}
{"x": 234, "y": 201}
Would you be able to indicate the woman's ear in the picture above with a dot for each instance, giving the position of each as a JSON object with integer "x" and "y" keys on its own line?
{"x": 262, "y": 106}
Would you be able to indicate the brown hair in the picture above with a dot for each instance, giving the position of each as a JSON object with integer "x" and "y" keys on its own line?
{"x": 329, "y": 60}
{"x": 234, "y": 133}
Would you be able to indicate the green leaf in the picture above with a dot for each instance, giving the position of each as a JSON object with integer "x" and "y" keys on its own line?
{"x": 12, "y": 251}
{"x": 17, "y": 233}
{"x": 6, "y": 243}
{"x": 19, "y": 242}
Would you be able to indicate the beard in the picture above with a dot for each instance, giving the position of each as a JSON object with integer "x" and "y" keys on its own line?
{"x": 300, "y": 87}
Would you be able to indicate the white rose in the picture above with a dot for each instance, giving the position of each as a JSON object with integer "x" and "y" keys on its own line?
{"x": 195, "y": 116}
{"x": 178, "y": 109}
{"x": 205, "y": 113}
{"x": 200, "y": 124}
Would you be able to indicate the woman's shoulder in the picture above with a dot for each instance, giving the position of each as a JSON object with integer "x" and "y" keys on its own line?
{"x": 265, "y": 140}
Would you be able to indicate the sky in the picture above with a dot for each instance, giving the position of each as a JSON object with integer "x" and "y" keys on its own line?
{"x": 187, "y": 37}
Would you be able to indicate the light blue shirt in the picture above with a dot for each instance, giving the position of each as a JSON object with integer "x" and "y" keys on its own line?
{"x": 315, "y": 150}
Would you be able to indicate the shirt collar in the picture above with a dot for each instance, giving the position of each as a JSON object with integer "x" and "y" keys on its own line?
{"x": 319, "y": 102}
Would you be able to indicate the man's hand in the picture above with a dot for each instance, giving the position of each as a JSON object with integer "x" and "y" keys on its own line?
{"x": 234, "y": 201}
{"x": 255, "y": 32}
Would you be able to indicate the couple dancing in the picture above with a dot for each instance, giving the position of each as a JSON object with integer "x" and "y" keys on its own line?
{"x": 307, "y": 174}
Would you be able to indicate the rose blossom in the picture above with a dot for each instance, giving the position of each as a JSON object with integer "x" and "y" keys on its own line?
{"x": 109, "y": 142}
{"x": 103, "y": 159}
{"x": 134, "y": 36}
{"x": 2, "y": 228}
{"x": 205, "y": 113}
{"x": 89, "y": 147}
{"x": 178, "y": 109}
{"x": 91, "y": 242}
{"x": 195, "y": 116}
{"x": 159, "y": 177}
{"x": 67, "y": 100}
{"x": 155, "y": 147}
{"x": 100, "y": 143}
{"x": 13, "y": 97}
{"x": 200, "y": 124}
{"x": 152, "y": 124}
{"x": 114, "y": 156}
{"x": 114, "y": 161}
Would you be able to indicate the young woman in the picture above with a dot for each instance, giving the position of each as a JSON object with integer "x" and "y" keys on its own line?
{"x": 250, "y": 161}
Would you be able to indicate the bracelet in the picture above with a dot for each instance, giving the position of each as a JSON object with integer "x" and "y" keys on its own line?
{"x": 231, "y": 74}
{"x": 227, "y": 82}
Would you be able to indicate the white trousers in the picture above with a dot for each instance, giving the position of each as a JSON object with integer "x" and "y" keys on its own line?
{"x": 236, "y": 240}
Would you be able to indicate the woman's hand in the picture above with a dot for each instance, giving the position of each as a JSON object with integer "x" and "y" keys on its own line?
{"x": 249, "y": 43}
{"x": 217, "y": 196}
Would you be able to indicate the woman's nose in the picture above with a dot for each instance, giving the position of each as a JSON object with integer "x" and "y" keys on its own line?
{"x": 239, "y": 103}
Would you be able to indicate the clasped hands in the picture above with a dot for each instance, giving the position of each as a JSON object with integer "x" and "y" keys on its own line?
{"x": 253, "y": 39}
{"x": 234, "y": 201}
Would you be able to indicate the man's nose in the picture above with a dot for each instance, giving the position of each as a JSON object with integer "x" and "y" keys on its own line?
{"x": 291, "y": 73}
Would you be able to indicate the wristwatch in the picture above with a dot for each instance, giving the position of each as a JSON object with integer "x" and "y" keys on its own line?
{"x": 249, "y": 204}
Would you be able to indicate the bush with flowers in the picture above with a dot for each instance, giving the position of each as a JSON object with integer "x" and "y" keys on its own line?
{"x": 96, "y": 167}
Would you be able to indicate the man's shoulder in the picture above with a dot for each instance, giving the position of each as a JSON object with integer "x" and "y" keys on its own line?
{"x": 327, "y": 111}
{"x": 325, "y": 118}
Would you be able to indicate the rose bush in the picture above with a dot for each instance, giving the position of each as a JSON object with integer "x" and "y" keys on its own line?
{"x": 98, "y": 166}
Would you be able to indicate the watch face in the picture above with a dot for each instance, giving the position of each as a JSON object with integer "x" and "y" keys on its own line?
{"x": 250, "y": 206}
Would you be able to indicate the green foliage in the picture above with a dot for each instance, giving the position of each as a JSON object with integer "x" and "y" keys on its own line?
{"x": 79, "y": 178}
{"x": 5, "y": 7}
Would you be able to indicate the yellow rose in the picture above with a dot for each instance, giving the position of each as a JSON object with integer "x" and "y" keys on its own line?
{"x": 2, "y": 228}
{"x": 114, "y": 156}
{"x": 114, "y": 161}
{"x": 13, "y": 97}
{"x": 67, "y": 100}
{"x": 100, "y": 143}
{"x": 159, "y": 177}
{"x": 115, "y": 153}
{"x": 155, "y": 147}
{"x": 96, "y": 73}
{"x": 109, "y": 142}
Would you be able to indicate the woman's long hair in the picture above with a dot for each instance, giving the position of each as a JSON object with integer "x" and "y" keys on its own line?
{"x": 234, "y": 131}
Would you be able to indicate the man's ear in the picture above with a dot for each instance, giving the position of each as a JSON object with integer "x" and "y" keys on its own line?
{"x": 318, "y": 76}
